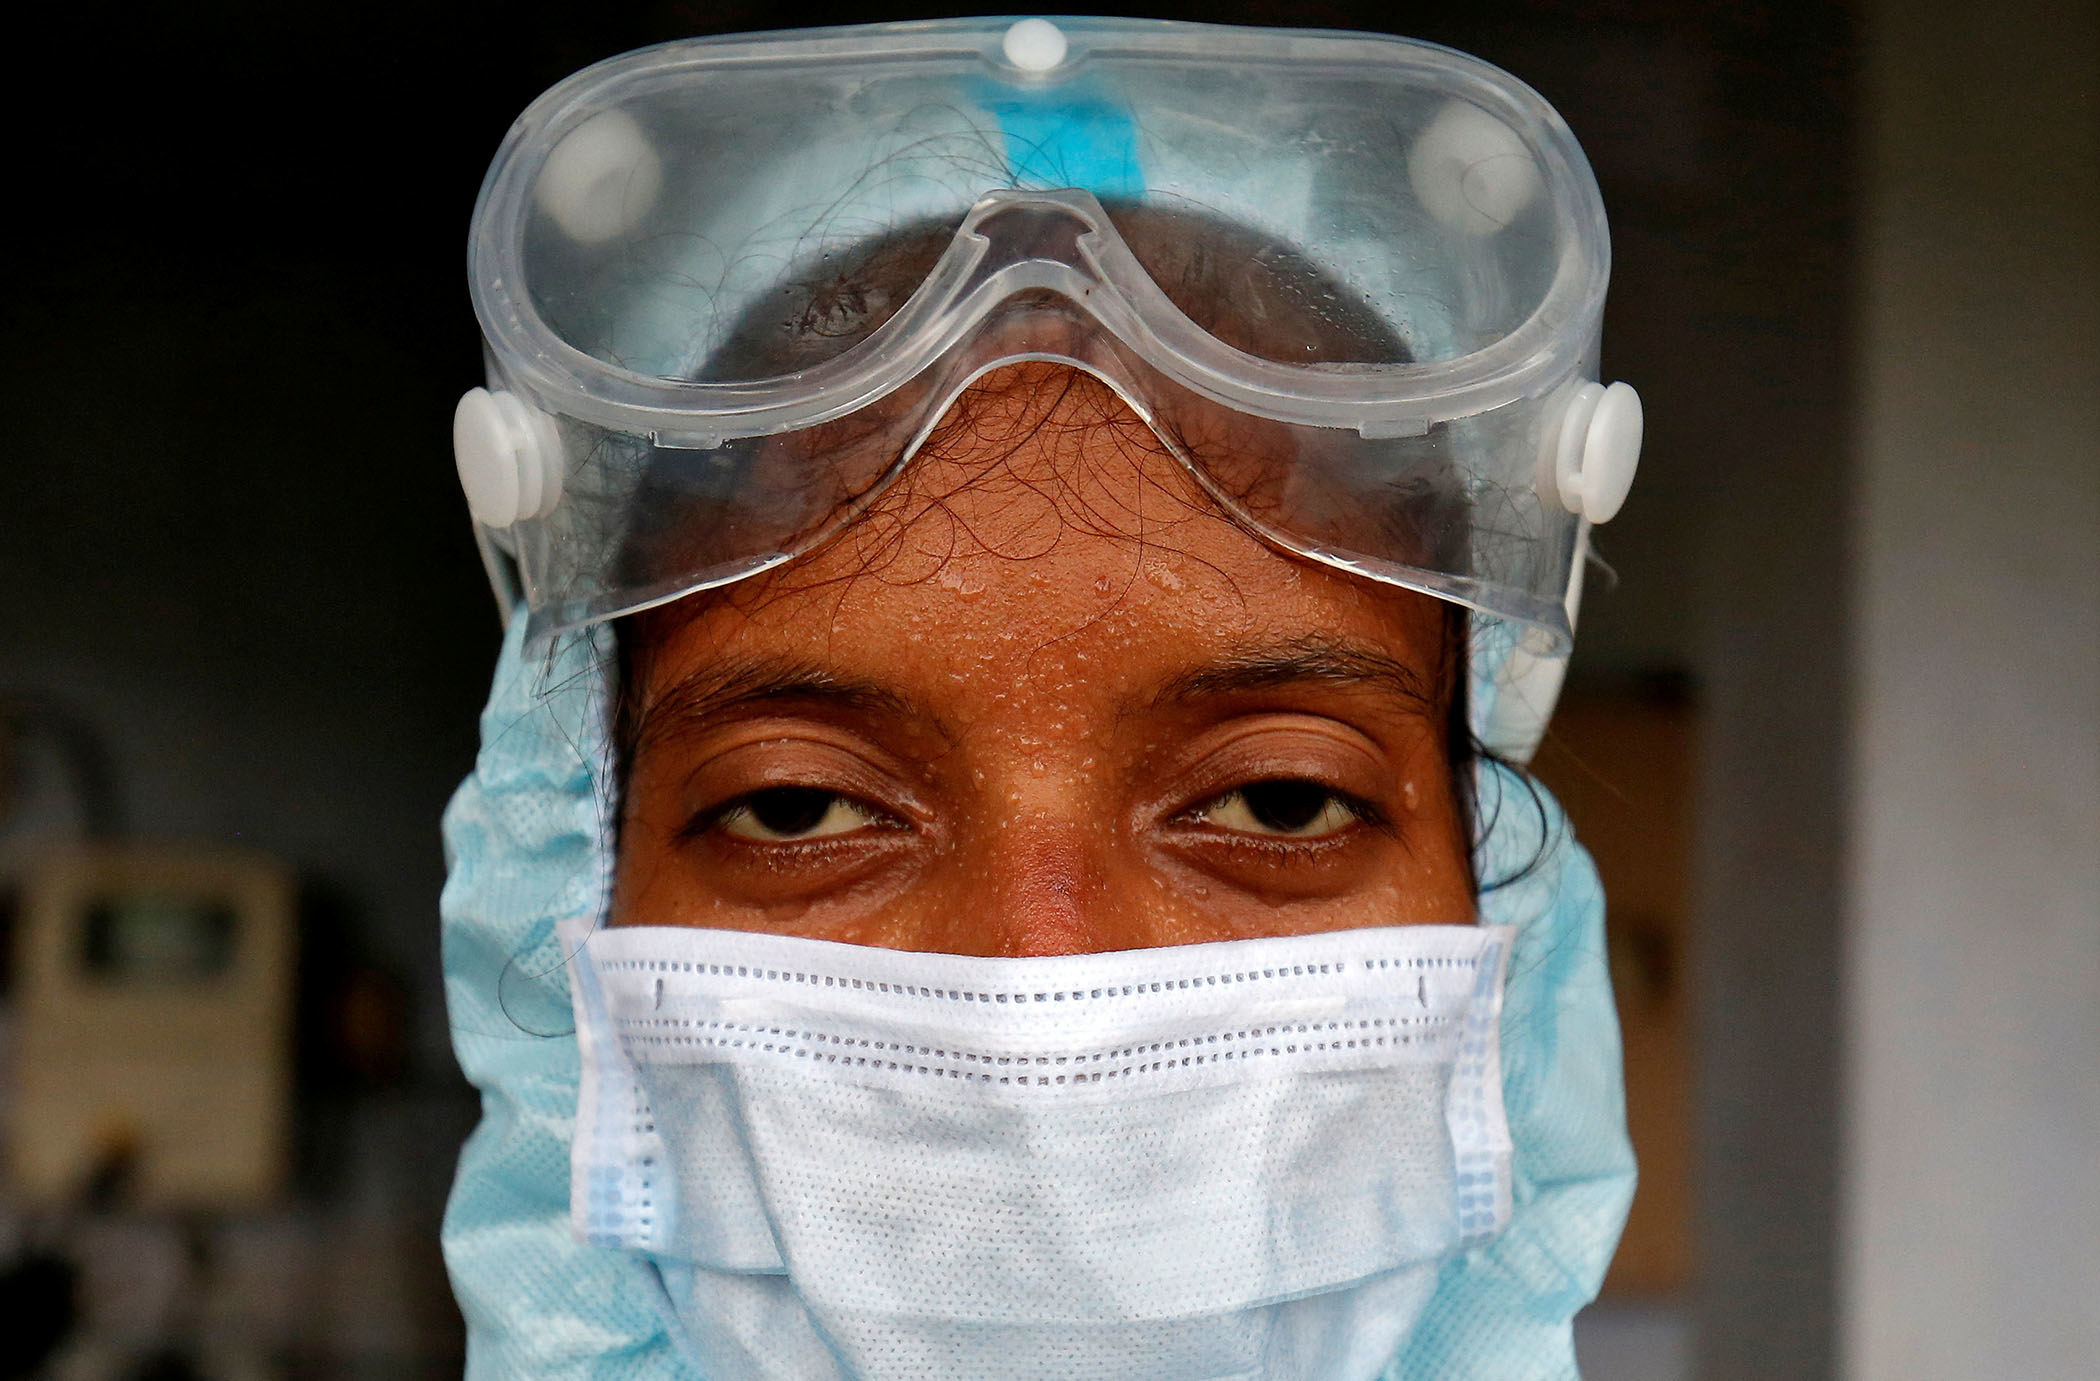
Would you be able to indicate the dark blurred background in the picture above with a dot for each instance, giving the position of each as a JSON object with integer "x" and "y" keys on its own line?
{"x": 1832, "y": 731}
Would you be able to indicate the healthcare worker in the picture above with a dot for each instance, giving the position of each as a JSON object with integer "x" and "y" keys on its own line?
{"x": 1033, "y": 553}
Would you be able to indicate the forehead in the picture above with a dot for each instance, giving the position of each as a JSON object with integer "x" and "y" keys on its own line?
{"x": 1041, "y": 532}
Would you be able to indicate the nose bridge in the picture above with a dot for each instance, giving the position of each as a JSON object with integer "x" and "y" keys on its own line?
{"x": 1041, "y": 889}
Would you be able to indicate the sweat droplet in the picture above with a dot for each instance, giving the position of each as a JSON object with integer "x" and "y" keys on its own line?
{"x": 1038, "y": 768}
{"x": 1104, "y": 586}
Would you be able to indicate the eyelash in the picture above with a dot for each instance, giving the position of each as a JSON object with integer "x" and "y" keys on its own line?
{"x": 713, "y": 822}
{"x": 1365, "y": 813}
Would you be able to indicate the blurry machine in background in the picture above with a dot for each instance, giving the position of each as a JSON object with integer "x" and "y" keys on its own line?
{"x": 152, "y": 1061}
{"x": 213, "y": 1165}
{"x": 152, "y": 1075}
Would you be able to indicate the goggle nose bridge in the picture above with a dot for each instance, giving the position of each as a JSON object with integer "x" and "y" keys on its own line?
{"x": 1011, "y": 242}
{"x": 1015, "y": 242}
{"x": 1015, "y": 251}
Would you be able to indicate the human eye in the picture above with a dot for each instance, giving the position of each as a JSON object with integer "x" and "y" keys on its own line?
{"x": 794, "y": 815}
{"x": 1284, "y": 809}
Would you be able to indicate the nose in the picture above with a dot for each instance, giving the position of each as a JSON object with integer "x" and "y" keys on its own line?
{"x": 1039, "y": 889}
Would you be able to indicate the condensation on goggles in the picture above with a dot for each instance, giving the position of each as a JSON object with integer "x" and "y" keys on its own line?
{"x": 1353, "y": 283}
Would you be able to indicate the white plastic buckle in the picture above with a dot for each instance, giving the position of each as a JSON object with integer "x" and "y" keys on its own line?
{"x": 1595, "y": 451}
{"x": 509, "y": 456}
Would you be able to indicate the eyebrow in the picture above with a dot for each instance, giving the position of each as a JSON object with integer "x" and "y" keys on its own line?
{"x": 700, "y": 696}
{"x": 1315, "y": 658}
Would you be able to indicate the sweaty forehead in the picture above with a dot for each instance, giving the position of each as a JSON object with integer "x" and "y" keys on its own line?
{"x": 1044, "y": 534}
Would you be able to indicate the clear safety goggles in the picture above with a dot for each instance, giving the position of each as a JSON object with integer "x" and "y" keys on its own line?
{"x": 729, "y": 286}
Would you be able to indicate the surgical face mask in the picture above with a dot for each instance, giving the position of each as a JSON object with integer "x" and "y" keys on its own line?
{"x": 1246, "y": 1159}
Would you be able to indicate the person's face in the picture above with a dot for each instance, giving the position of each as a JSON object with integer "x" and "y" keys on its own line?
{"x": 1043, "y": 699}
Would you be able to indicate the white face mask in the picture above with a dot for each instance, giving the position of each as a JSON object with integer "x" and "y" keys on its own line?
{"x": 1241, "y": 1160}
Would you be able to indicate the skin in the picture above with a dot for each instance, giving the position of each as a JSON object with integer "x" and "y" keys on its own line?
{"x": 1044, "y": 698}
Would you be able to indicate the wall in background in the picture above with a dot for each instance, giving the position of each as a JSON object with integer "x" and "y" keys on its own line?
{"x": 1972, "y": 1244}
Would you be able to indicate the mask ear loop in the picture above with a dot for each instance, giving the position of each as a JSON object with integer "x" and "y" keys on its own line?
{"x": 502, "y": 572}
{"x": 1526, "y": 686}
{"x": 1587, "y": 465}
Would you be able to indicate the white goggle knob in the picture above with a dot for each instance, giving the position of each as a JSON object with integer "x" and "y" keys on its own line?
{"x": 601, "y": 179}
{"x": 509, "y": 457}
{"x": 1471, "y": 171}
{"x": 1596, "y": 449}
